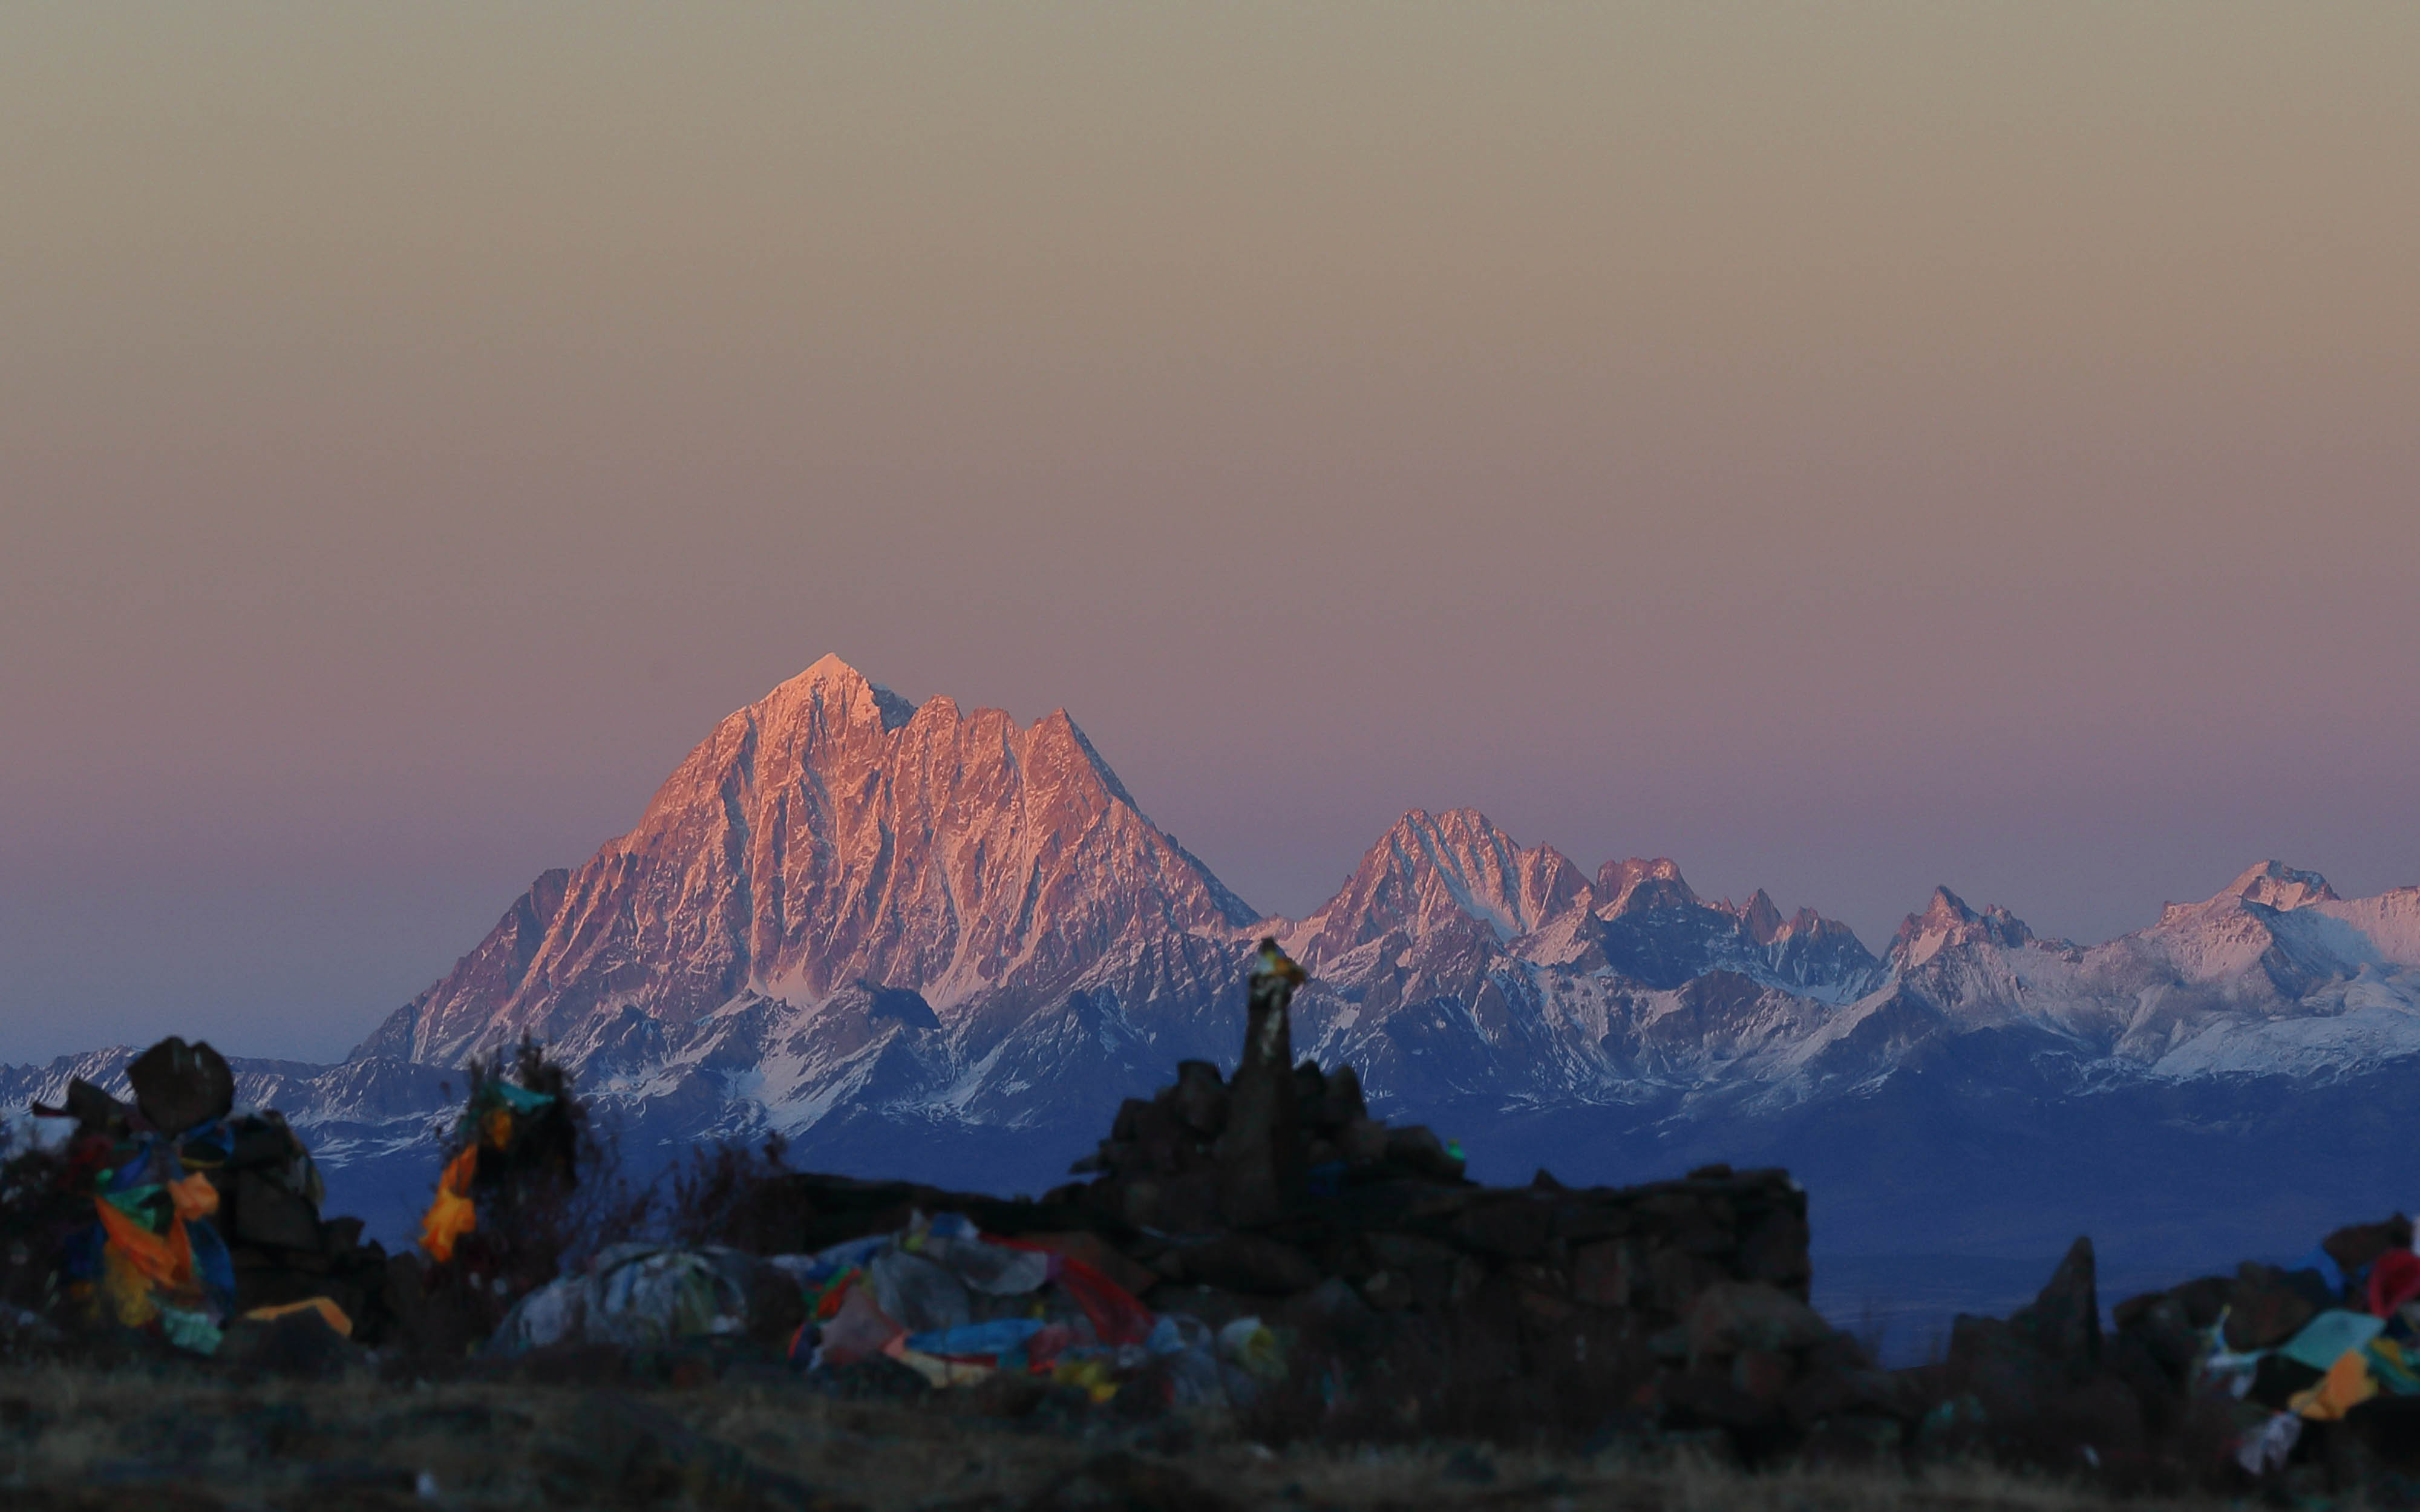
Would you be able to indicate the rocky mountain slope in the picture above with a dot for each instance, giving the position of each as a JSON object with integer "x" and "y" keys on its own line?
{"x": 932, "y": 943}
{"x": 866, "y": 924}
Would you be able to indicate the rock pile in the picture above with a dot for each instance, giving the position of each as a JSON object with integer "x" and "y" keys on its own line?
{"x": 283, "y": 1252}
{"x": 1413, "y": 1295}
{"x": 2298, "y": 1378}
{"x": 2045, "y": 1384}
{"x": 2311, "y": 1372}
{"x": 1419, "y": 1295}
{"x": 204, "y": 1215}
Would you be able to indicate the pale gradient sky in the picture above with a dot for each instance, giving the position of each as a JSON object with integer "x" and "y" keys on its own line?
{"x": 1845, "y": 448}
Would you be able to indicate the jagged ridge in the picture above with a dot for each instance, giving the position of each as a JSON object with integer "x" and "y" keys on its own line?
{"x": 895, "y": 929}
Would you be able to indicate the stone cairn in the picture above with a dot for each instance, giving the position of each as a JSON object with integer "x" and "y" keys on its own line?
{"x": 1431, "y": 1298}
{"x": 268, "y": 1191}
{"x": 2049, "y": 1378}
{"x": 283, "y": 1251}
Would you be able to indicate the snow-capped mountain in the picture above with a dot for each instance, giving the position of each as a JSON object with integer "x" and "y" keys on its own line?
{"x": 2274, "y": 975}
{"x": 844, "y": 910}
{"x": 827, "y": 845}
{"x": 928, "y": 941}
{"x": 1456, "y": 964}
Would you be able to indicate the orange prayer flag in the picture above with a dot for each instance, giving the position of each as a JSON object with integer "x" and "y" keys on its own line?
{"x": 166, "y": 1260}
{"x": 451, "y": 1216}
{"x": 194, "y": 1196}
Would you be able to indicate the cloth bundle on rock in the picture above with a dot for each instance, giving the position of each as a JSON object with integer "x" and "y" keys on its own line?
{"x": 638, "y": 1296}
{"x": 510, "y": 1140}
{"x": 958, "y": 1306}
{"x": 2329, "y": 1345}
{"x": 202, "y": 1215}
{"x": 153, "y": 1259}
{"x": 953, "y": 1304}
{"x": 2394, "y": 1281}
{"x": 2358, "y": 1356}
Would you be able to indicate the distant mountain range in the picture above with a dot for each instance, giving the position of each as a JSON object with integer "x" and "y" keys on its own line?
{"x": 923, "y": 940}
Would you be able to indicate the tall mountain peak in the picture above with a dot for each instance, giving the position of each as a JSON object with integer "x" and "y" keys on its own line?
{"x": 1761, "y": 919}
{"x": 839, "y": 692}
{"x": 1947, "y": 921}
{"x": 1946, "y": 909}
{"x": 1062, "y": 725}
{"x": 1626, "y": 886}
{"x": 2274, "y": 884}
{"x": 832, "y": 833}
{"x": 1448, "y": 871}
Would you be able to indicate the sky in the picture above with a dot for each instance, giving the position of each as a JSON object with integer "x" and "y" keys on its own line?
{"x": 1845, "y": 448}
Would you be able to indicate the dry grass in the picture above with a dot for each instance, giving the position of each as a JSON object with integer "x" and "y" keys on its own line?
{"x": 192, "y": 1442}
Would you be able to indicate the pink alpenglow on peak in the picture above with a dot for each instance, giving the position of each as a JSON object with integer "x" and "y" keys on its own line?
{"x": 863, "y": 922}
{"x": 1454, "y": 870}
{"x": 841, "y": 901}
{"x": 1626, "y": 886}
{"x": 1761, "y": 918}
{"x": 830, "y": 836}
{"x": 1947, "y": 921}
{"x": 2274, "y": 884}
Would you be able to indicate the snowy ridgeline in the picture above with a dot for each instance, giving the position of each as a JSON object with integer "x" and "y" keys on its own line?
{"x": 926, "y": 942}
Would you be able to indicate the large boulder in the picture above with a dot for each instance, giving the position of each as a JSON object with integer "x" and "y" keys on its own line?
{"x": 2064, "y": 1321}
{"x": 179, "y": 1085}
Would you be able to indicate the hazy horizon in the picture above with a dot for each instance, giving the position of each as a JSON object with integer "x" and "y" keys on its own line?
{"x": 1844, "y": 449}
